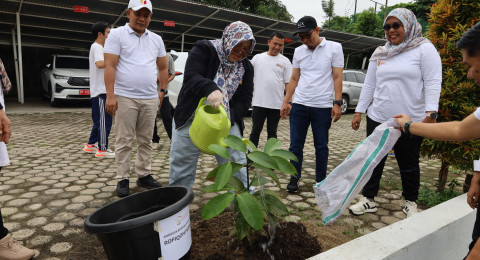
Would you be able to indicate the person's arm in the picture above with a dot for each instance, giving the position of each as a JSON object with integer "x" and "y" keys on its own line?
{"x": 366, "y": 94}
{"x": 337, "y": 85}
{"x": 5, "y": 126}
{"x": 475, "y": 252}
{"x": 467, "y": 129}
{"x": 162, "y": 76}
{"x": 111, "y": 61}
{"x": 431, "y": 67}
{"x": 100, "y": 64}
{"x": 242, "y": 99}
{"x": 290, "y": 89}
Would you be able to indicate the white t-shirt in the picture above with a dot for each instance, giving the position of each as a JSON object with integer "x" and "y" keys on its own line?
{"x": 477, "y": 113}
{"x": 136, "y": 74}
{"x": 408, "y": 83}
{"x": 270, "y": 75}
{"x": 4, "y": 160}
{"x": 315, "y": 87}
{"x": 97, "y": 79}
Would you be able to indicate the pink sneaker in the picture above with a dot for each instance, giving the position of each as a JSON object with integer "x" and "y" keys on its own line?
{"x": 105, "y": 154}
{"x": 11, "y": 250}
{"x": 90, "y": 148}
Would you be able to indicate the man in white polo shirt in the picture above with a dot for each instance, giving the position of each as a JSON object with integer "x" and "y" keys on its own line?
{"x": 272, "y": 72}
{"x": 132, "y": 56}
{"x": 316, "y": 75}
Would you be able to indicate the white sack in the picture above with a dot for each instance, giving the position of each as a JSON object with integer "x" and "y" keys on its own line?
{"x": 342, "y": 185}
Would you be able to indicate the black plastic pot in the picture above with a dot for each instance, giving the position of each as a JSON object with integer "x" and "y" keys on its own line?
{"x": 140, "y": 226}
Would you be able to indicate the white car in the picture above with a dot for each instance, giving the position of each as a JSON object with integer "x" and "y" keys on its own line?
{"x": 66, "y": 78}
{"x": 175, "y": 85}
{"x": 352, "y": 86}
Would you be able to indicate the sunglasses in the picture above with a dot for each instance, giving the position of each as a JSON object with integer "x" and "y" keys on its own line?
{"x": 395, "y": 26}
{"x": 307, "y": 35}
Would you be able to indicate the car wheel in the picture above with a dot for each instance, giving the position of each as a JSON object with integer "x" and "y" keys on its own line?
{"x": 344, "y": 107}
{"x": 53, "y": 102}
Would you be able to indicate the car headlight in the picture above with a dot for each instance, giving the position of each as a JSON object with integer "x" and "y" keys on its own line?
{"x": 60, "y": 77}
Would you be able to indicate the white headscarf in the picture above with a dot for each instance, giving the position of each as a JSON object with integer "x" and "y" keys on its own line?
{"x": 413, "y": 35}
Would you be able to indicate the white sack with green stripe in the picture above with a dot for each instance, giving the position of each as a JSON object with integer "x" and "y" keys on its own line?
{"x": 342, "y": 185}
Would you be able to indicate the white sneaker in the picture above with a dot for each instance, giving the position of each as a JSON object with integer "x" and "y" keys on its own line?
{"x": 363, "y": 206}
{"x": 105, "y": 154}
{"x": 410, "y": 208}
{"x": 90, "y": 148}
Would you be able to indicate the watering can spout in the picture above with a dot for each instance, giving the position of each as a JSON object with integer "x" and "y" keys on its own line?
{"x": 209, "y": 126}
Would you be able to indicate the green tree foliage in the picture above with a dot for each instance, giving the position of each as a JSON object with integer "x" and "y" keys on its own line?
{"x": 328, "y": 7}
{"x": 268, "y": 8}
{"x": 449, "y": 19}
{"x": 368, "y": 24}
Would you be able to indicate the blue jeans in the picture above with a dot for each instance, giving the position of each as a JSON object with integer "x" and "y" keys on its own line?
{"x": 184, "y": 157}
{"x": 102, "y": 123}
{"x": 301, "y": 117}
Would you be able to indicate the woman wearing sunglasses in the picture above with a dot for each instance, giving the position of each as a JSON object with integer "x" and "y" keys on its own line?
{"x": 404, "y": 77}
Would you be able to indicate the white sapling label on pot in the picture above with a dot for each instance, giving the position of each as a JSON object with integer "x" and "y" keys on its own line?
{"x": 175, "y": 234}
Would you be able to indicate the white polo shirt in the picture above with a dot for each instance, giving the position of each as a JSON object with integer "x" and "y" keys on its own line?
{"x": 136, "y": 74}
{"x": 315, "y": 87}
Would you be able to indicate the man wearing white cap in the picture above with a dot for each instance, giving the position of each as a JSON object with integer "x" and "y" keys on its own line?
{"x": 132, "y": 56}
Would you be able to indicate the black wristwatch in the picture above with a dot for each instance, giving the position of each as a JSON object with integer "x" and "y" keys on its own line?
{"x": 338, "y": 102}
{"x": 432, "y": 115}
{"x": 406, "y": 126}
{"x": 164, "y": 91}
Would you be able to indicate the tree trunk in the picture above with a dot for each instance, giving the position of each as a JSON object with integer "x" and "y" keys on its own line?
{"x": 442, "y": 176}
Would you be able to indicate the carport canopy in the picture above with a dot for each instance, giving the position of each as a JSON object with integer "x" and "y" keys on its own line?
{"x": 66, "y": 25}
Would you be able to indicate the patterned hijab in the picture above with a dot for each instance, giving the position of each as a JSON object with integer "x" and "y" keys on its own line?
{"x": 413, "y": 35}
{"x": 6, "y": 84}
{"x": 230, "y": 74}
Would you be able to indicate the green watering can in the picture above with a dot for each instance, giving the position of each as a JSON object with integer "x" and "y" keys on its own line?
{"x": 209, "y": 126}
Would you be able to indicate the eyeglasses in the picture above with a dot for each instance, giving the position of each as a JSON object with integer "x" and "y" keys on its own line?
{"x": 307, "y": 35}
{"x": 395, "y": 26}
{"x": 239, "y": 50}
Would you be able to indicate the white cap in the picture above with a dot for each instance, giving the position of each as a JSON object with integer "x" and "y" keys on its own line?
{"x": 139, "y": 4}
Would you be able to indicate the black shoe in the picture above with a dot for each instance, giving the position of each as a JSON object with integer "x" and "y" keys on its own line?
{"x": 122, "y": 188}
{"x": 148, "y": 182}
{"x": 292, "y": 186}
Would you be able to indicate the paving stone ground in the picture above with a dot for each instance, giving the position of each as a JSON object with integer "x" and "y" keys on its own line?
{"x": 51, "y": 185}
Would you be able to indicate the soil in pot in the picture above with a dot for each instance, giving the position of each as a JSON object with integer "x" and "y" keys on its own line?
{"x": 211, "y": 240}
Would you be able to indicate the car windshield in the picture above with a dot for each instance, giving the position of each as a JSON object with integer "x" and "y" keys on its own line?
{"x": 71, "y": 63}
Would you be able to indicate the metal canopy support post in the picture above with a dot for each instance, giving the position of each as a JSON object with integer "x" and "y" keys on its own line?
{"x": 183, "y": 41}
{"x": 20, "y": 61}
{"x": 14, "y": 43}
{"x": 364, "y": 61}
{"x": 346, "y": 63}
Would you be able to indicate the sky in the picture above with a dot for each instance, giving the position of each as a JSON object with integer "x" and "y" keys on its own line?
{"x": 300, "y": 8}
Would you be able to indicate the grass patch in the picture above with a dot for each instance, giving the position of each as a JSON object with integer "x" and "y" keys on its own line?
{"x": 430, "y": 197}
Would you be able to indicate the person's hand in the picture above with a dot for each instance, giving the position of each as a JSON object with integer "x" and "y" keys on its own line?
{"x": 5, "y": 129}
{"x": 215, "y": 98}
{"x": 401, "y": 120}
{"x": 336, "y": 113}
{"x": 161, "y": 96}
{"x": 474, "y": 191}
{"x": 428, "y": 119}
{"x": 357, "y": 118}
{"x": 285, "y": 110}
{"x": 111, "y": 105}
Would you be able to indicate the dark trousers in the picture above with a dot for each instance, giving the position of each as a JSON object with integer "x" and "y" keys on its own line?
{"x": 301, "y": 117}
{"x": 476, "y": 229}
{"x": 259, "y": 114}
{"x": 166, "y": 114}
{"x": 3, "y": 229}
{"x": 407, "y": 153}
{"x": 102, "y": 123}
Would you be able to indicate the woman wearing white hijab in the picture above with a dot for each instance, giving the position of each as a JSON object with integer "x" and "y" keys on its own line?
{"x": 219, "y": 70}
{"x": 404, "y": 77}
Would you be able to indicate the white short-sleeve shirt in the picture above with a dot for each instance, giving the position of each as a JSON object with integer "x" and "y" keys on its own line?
{"x": 136, "y": 74}
{"x": 97, "y": 79}
{"x": 271, "y": 73}
{"x": 315, "y": 87}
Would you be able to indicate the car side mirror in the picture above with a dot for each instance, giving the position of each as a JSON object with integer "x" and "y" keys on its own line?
{"x": 49, "y": 66}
